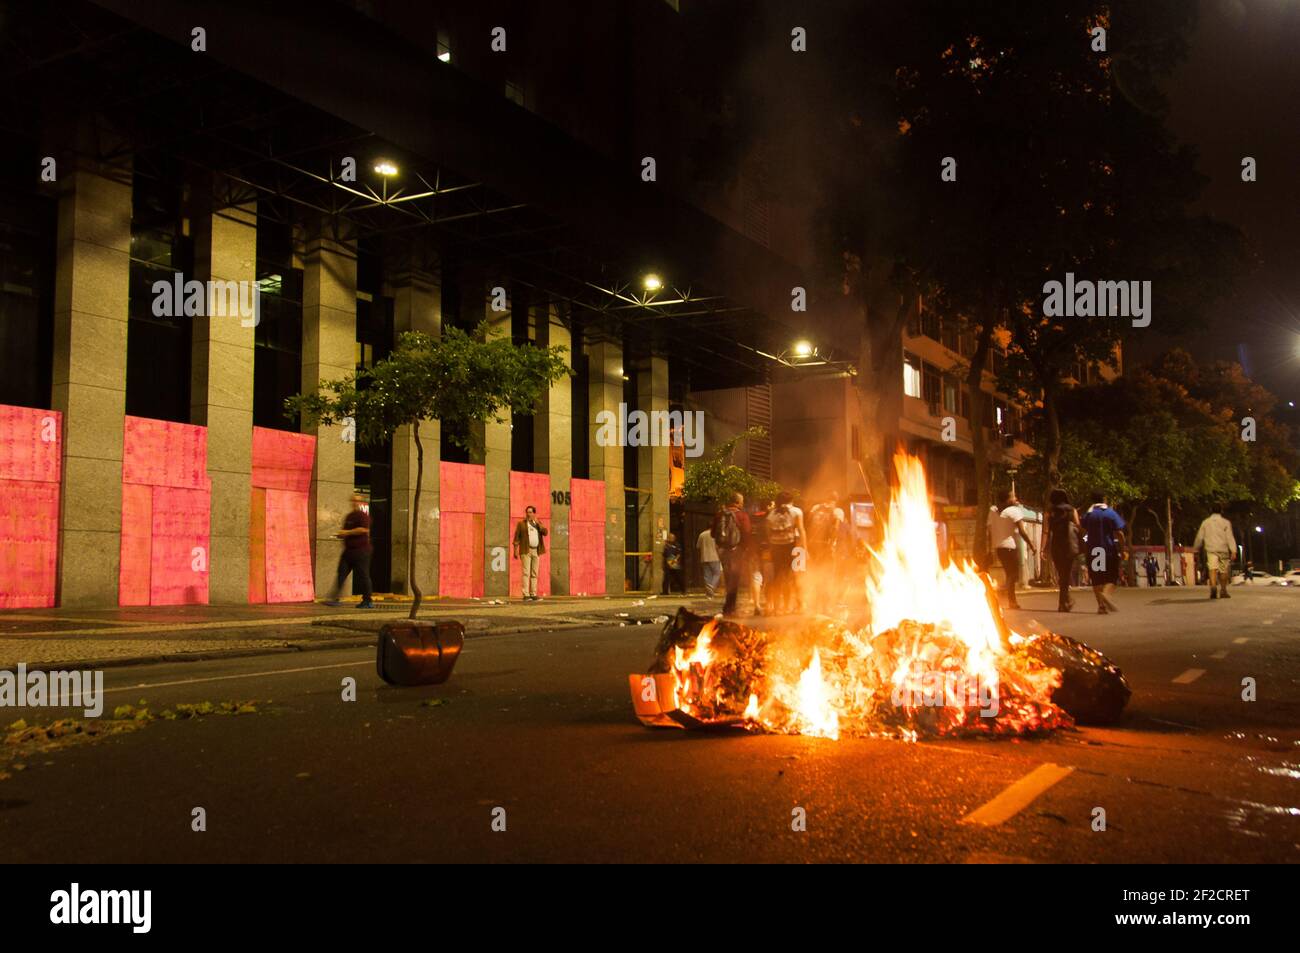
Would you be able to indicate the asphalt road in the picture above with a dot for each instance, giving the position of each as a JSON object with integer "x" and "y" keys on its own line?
{"x": 540, "y": 724}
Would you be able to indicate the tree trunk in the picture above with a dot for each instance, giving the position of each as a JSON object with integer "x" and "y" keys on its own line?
{"x": 979, "y": 439}
{"x": 417, "y": 595}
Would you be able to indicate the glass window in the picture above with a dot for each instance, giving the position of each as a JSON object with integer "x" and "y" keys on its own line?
{"x": 931, "y": 384}
{"x": 911, "y": 375}
{"x": 950, "y": 395}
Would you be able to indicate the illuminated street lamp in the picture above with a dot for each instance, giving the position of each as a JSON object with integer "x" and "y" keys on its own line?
{"x": 652, "y": 282}
{"x": 385, "y": 168}
{"x": 803, "y": 349}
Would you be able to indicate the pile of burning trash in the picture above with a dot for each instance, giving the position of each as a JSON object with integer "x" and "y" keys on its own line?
{"x": 936, "y": 659}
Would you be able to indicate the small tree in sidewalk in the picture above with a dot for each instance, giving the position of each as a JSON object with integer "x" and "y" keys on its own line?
{"x": 458, "y": 378}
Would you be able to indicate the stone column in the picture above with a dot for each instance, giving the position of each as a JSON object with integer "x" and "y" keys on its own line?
{"x": 495, "y": 457}
{"x": 329, "y": 342}
{"x": 652, "y": 463}
{"x": 91, "y": 284}
{"x": 605, "y": 393}
{"x": 417, "y": 306}
{"x": 221, "y": 389}
{"x": 553, "y": 440}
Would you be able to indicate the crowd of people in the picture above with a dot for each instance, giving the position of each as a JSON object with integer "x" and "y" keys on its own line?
{"x": 774, "y": 550}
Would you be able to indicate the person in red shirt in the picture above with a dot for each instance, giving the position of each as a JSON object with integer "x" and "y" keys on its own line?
{"x": 732, "y": 533}
{"x": 356, "y": 553}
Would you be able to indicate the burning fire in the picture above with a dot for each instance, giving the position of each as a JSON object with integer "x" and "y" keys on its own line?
{"x": 936, "y": 658}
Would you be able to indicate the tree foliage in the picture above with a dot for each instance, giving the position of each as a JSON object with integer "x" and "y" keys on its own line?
{"x": 457, "y": 378}
{"x": 714, "y": 477}
{"x": 1173, "y": 430}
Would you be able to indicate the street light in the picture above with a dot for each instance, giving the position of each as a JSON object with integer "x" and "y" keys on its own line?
{"x": 386, "y": 168}
{"x": 652, "y": 282}
{"x": 803, "y": 349}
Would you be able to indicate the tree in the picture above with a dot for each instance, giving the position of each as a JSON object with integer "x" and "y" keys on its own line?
{"x": 714, "y": 478}
{"x": 1168, "y": 439}
{"x": 455, "y": 378}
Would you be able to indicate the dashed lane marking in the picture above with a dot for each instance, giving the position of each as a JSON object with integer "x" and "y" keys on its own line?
{"x": 1189, "y": 676}
{"x": 1241, "y": 641}
{"x": 1221, "y": 654}
{"x": 1018, "y": 796}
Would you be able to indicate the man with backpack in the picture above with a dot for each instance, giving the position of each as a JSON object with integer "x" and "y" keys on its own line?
{"x": 731, "y": 534}
{"x": 785, "y": 531}
{"x": 826, "y": 525}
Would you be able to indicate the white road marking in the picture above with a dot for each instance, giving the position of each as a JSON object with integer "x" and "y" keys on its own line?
{"x": 222, "y": 678}
{"x": 1018, "y": 796}
{"x": 1241, "y": 641}
{"x": 1221, "y": 654}
{"x": 1189, "y": 676}
{"x": 1268, "y": 621}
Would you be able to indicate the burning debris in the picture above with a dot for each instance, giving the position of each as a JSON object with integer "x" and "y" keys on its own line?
{"x": 936, "y": 659}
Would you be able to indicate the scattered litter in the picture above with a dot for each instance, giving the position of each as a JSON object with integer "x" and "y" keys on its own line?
{"x": 623, "y": 614}
{"x": 639, "y": 602}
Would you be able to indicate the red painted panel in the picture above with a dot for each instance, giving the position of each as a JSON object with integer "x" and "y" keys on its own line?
{"x": 137, "y": 545}
{"x": 181, "y": 550}
{"x": 282, "y": 460}
{"x": 29, "y": 543}
{"x": 462, "y": 488}
{"x": 30, "y": 444}
{"x": 257, "y": 545}
{"x": 587, "y": 558}
{"x": 162, "y": 453}
{"x": 588, "y": 501}
{"x": 289, "y": 575}
{"x": 530, "y": 489}
{"x": 460, "y": 555}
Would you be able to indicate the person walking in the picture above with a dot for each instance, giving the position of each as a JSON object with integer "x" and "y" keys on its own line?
{"x": 1103, "y": 536}
{"x": 785, "y": 531}
{"x": 710, "y": 564}
{"x": 355, "y": 557}
{"x": 1062, "y": 544}
{"x": 826, "y": 525}
{"x": 529, "y": 544}
{"x": 731, "y": 533}
{"x": 1005, "y": 525}
{"x": 1152, "y": 567}
{"x": 1216, "y": 536}
{"x": 672, "y": 566}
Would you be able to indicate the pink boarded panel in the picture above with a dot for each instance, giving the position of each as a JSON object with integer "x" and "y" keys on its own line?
{"x": 257, "y": 545}
{"x": 588, "y": 501}
{"x": 29, "y": 543}
{"x": 179, "y": 563}
{"x": 530, "y": 489}
{"x": 587, "y": 559}
{"x": 460, "y": 555}
{"x": 282, "y": 460}
{"x": 288, "y": 547}
{"x": 137, "y": 545}
{"x": 31, "y": 444}
{"x": 461, "y": 488}
{"x": 162, "y": 453}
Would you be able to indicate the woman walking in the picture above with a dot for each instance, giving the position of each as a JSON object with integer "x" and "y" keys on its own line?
{"x": 1063, "y": 534}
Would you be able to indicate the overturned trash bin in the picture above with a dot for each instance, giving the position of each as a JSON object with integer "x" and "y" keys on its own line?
{"x": 418, "y": 653}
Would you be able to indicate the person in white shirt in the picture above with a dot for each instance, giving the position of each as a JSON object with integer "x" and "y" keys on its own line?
{"x": 529, "y": 545}
{"x": 710, "y": 563}
{"x": 1005, "y": 523}
{"x": 1220, "y": 543}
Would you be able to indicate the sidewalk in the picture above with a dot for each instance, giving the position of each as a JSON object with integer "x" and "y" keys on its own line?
{"x": 98, "y": 638}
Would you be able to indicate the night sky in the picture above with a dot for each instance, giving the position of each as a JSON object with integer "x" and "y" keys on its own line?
{"x": 1238, "y": 94}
